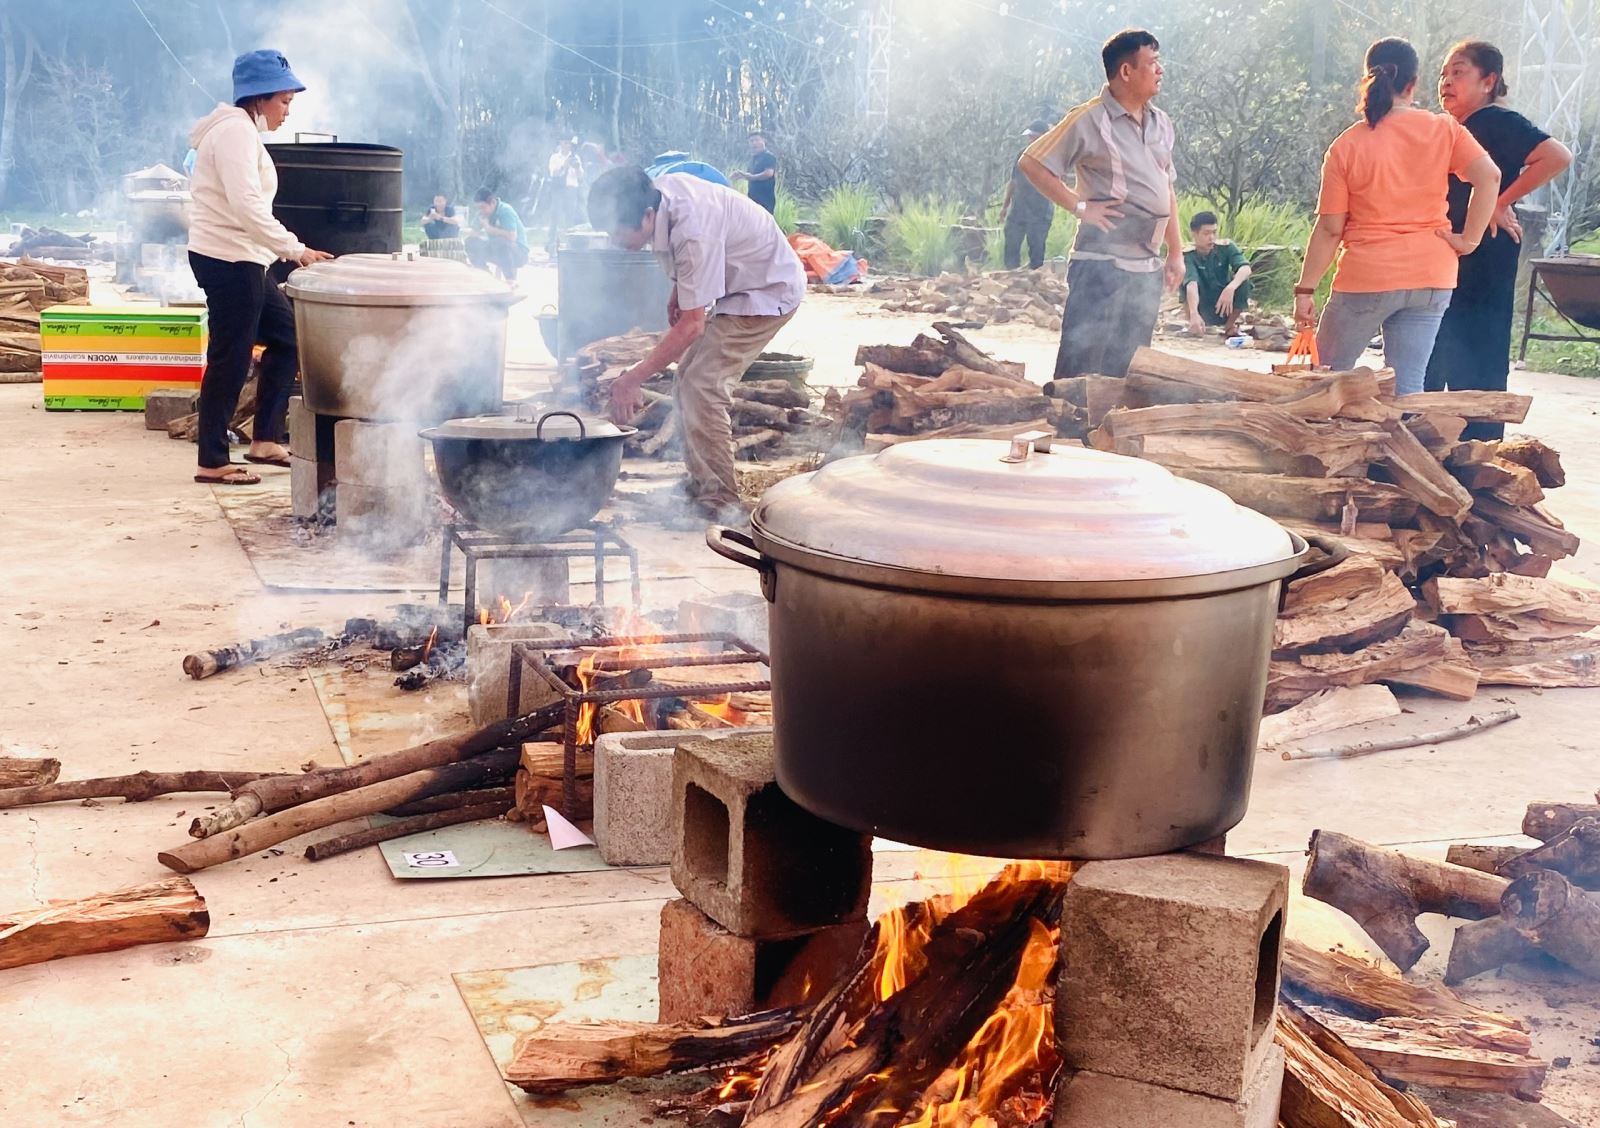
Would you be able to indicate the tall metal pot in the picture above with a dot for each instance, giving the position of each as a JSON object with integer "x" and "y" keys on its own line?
{"x": 1063, "y": 655}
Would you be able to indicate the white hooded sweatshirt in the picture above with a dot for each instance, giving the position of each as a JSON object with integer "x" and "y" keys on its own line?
{"x": 234, "y": 182}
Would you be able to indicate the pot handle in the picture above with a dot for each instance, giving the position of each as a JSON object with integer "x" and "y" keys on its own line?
{"x": 1336, "y": 554}
{"x": 717, "y": 538}
{"x": 538, "y": 430}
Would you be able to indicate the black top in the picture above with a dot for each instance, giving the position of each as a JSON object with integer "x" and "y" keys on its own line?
{"x": 764, "y": 192}
{"x": 1027, "y": 202}
{"x": 438, "y": 229}
{"x": 1508, "y": 138}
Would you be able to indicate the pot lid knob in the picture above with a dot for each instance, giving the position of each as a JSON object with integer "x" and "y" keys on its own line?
{"x": 1026, "y": 443}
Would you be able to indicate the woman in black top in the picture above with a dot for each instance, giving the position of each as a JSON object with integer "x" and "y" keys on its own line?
{"x": 1473, "y": 348}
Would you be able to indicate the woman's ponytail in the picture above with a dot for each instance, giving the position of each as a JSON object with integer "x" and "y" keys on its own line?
{"x": 1391, "y": 69}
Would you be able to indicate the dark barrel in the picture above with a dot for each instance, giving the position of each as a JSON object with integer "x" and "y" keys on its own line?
{"x": 603, "y": 292}
{"x": 339, "y": 197}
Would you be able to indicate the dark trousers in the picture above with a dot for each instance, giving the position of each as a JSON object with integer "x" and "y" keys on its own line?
{"x": 1208, "y": 302}
{"x": 243, "y": 309}
{"x": 484, "y": 251}
{"x": 1035, "y": 231}
{"x": 1473, "y": 352}
{"x": 1110, "y": 314}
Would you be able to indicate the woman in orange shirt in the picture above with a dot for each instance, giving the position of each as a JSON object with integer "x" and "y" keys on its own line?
{"x": 1382, "y": 208}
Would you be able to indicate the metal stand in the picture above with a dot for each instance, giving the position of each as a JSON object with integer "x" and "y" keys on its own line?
{"x": 596, "y": 541}
{"x": 1537, "y": 289}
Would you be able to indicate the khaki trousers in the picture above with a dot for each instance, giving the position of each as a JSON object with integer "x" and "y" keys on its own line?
{"x": 704, "y": 395}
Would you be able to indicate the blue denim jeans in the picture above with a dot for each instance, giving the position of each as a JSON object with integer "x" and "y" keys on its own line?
{"x": 1409, "y": 320}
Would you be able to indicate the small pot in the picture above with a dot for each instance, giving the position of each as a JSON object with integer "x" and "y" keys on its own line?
{"x": 398, "y": 338}
{"x": 1016, "y": 652}
{"x": 530, "y": 478}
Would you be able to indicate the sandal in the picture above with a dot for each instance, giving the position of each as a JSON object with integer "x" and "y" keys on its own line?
{"x": 259, "y": 461}
{"x": 231, "y": 478}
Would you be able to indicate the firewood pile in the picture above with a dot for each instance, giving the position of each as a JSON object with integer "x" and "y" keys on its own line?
{"x": 1446, "y": 586}
{"x": 47, "y": 242}
{"x": 1033, "y": 296}
{"x": 771, "y": 418}
{"x": 26, "y": 287}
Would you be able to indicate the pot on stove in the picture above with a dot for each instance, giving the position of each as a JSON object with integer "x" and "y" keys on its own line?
{"x": 1017, "y": 651}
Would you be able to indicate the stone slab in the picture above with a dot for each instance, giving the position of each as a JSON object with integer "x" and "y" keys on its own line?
{"x": 163, "y": 405}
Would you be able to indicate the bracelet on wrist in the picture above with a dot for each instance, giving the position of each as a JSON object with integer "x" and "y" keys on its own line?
{"x": 1305, "y": 291}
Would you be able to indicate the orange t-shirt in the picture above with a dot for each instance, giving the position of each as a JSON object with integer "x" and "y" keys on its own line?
{"x": 1390, "y": 182}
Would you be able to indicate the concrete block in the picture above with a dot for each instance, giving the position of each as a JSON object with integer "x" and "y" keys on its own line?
{"x": 748, "y": 856}
{"x": 377, "y": 519}
{"x": 302, "y": 429}
{"x": 386, "y": 456}
{"x": 703, "y": 969}
{"x": 489, "y": 667}
{"x": 633, "y": 811}
{"x": 1170, "y": 970}
{"x": 163, "y": 405}
{"x": 1095, "y": 1100}
{"x": 738, "y": 613}
{"x": 310, "y": 488}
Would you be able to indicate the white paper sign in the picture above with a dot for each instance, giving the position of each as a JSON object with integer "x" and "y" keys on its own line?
{"x": 433, "y": 859}
{"x": 563, "y": 835}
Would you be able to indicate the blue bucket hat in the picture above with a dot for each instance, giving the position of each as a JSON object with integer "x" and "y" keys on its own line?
{"x": 263, "y": 72}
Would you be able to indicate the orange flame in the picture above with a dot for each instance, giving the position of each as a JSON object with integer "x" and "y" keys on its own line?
{"x": 644, "y": 635}
{"x": 427, "y": 647}
{"x": 503, "y": 611}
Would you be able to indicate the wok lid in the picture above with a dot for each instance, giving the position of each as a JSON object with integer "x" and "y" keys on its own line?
{"x": 525, "y": 425}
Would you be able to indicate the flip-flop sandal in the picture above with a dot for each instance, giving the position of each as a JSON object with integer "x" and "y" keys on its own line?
{"x": 231, "y": 478}
{"x": 259, "y": 461}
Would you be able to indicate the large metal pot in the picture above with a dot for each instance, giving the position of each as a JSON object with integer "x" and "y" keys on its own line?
{"x": 531, "y": 478}
{"x": 1049, "y": 654}
{"x": 400, "y": 338}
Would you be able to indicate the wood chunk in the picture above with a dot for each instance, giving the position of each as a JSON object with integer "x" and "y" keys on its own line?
{"x": 1335, "y": 447}
{"x": 1216, "y": 452}
{"x": 1547, "y": 821}
{"x": 1179, "y": 379}
{"x": 1448, "y": 1055}
{"x": 1311, "y": 499}
{"x": 1532, "y": 525}
{"x": 1327, "y": 711}
{"x": 1510, "y": 608}
{"x": 158, "y": 913}
{"x": 25, "y": 771}
{"x": 1471, "y": 451}
{"x": 918, "y": 360}
{"x": 1369, "y": 539}
{"x": 1487, "y": 859}
{"x": 1356, "y": 575}
{"x": 1357, "y": 988}
{"x": 1339, "y": 624}
{"x": 1416, "y": 646}
{"x": 1557, "y": 918}
{"x": 1493, "y": 407}
{"x": 562, "y": 1056}
{"x": 1419, "y": 473}
{"x": 1384, "y": 891}
{"x": 1574, "y": 854}
{"x": 1567, "y": 663}
{"x": 1453, "y": 676}
{"x": 1440, "y": 434}
{"x": 1506, "y": 480}
{"x": 1325, "y": 1085}
{"x": 1536, "y": 456}
{"x": 1483, "y": 945}
{"x": 1348, "y": 395}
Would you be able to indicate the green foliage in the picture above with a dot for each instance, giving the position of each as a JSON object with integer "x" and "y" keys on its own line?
{"x": 919, "y": 235}
{"x": 1567, "y": 357}
{"x": 1589, "y": 244}
{"x": 1263, "y": 223}
{"x": 843, "y": 214}
{"x": 787, "y": 213}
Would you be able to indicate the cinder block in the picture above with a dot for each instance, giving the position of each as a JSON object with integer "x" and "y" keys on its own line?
{"x": 302, "y": 429}
{"x": 738, "y": 613}
{"x": 382, "y": 520}
{"x": 703, "y": 969}
{"x": 1095, "y": 1100}
{"x": 163, "y": 405}
{"x": 748, "y": 856}
{"x": 385, "y": 456}
{"x": 633, "y": 811}
{"x": 1170, "y": 970}
{"x": 489, "y": 667}
{"x": 310, "y": 488}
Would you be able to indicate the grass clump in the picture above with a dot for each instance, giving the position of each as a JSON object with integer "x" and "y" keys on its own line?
{"x": 843, "y": 215}
{"x": 920, "y": 237}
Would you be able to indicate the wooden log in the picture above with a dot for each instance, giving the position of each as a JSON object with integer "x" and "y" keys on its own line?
{"x": 1548, "y": 821}
{"x": 1348, "y": 395}
{"x": 1557, "y": 918}
{"x": 562, "y": 1056}
{"x": 1352, "y": 986}
{"x": 1446, "y": 1055}
{"x": 969, "y": 355}
{"x": 1486, "y": 859}
{"x": 493, "y": 767}
{"x": 1453, "y": 676}
{"x": 1331, "y": 709}
{"x": 1508, "y": 608}
{"x": 1384, "y": 891}
{"x": 1362, "y": 619}
{"x": 1555, "y": 664}
{"x": 777, "y": 393}
{"x": 1483, "y": 945}
{"x": 1334, "y": 448}
{"x": 1532, "y": 525}
{"x": 1167, "y": 378}
{"x": 205, "y": 663}
{"x": 1311, "y": 499}
{"x": 262, "y": 796}
{"x": 1574, "y": 854}
{"x": 402, "y": 828}
{"x": 158, "y": 913}
{"x": 749, "y": 413}
{"x": 1439, "y": 434}
{"x": 1418, "y": 473}
{"x": 1506, "y": 480}
{"x": 453, "y": 800}
{"x": 27, "y": 771}
{"x": 1416, "y": 646}
{"x": 1471, "y": 726}
{"x": 1216, "y": 452}
{"x": 135, "y": 788}
{"x": 1325, "y": 1085}
{"x": 913, "y": 359}
{"x": 1536, "y": 456}
{"x": 1493, "y": 407}
{"x": 1373, "y": 539}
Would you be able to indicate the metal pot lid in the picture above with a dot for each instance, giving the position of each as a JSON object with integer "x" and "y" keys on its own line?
{"x": 528, "y": 425}
{"x": 366, "y": 279}
{"x": 983, "y": 509}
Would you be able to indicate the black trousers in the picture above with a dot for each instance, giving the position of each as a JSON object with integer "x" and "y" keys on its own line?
{"x": 1035, "y": 231}
{"x": 484, "y": 251}
{"x": 1473, "y": 351}
{"x": 1110, "y": 313}
{"x": 244, "y": 308}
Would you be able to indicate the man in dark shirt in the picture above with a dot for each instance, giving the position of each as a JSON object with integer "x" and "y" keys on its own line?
{"x": 1216, "y": 278}
{"x": 440, "y": 221}
{"x": 1026, "y": 214}
{"x": 762, "y": 175}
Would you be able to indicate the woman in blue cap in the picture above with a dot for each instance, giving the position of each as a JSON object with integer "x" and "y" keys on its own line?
{"x": 233, "y": 238}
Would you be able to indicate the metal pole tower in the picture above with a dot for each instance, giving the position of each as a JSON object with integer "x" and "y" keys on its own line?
{"x": 877, "y": 34}
{"x": 1559, "y": 45}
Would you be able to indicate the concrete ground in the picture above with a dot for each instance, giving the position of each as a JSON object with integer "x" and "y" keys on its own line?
{"x": 322, "y": 995}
